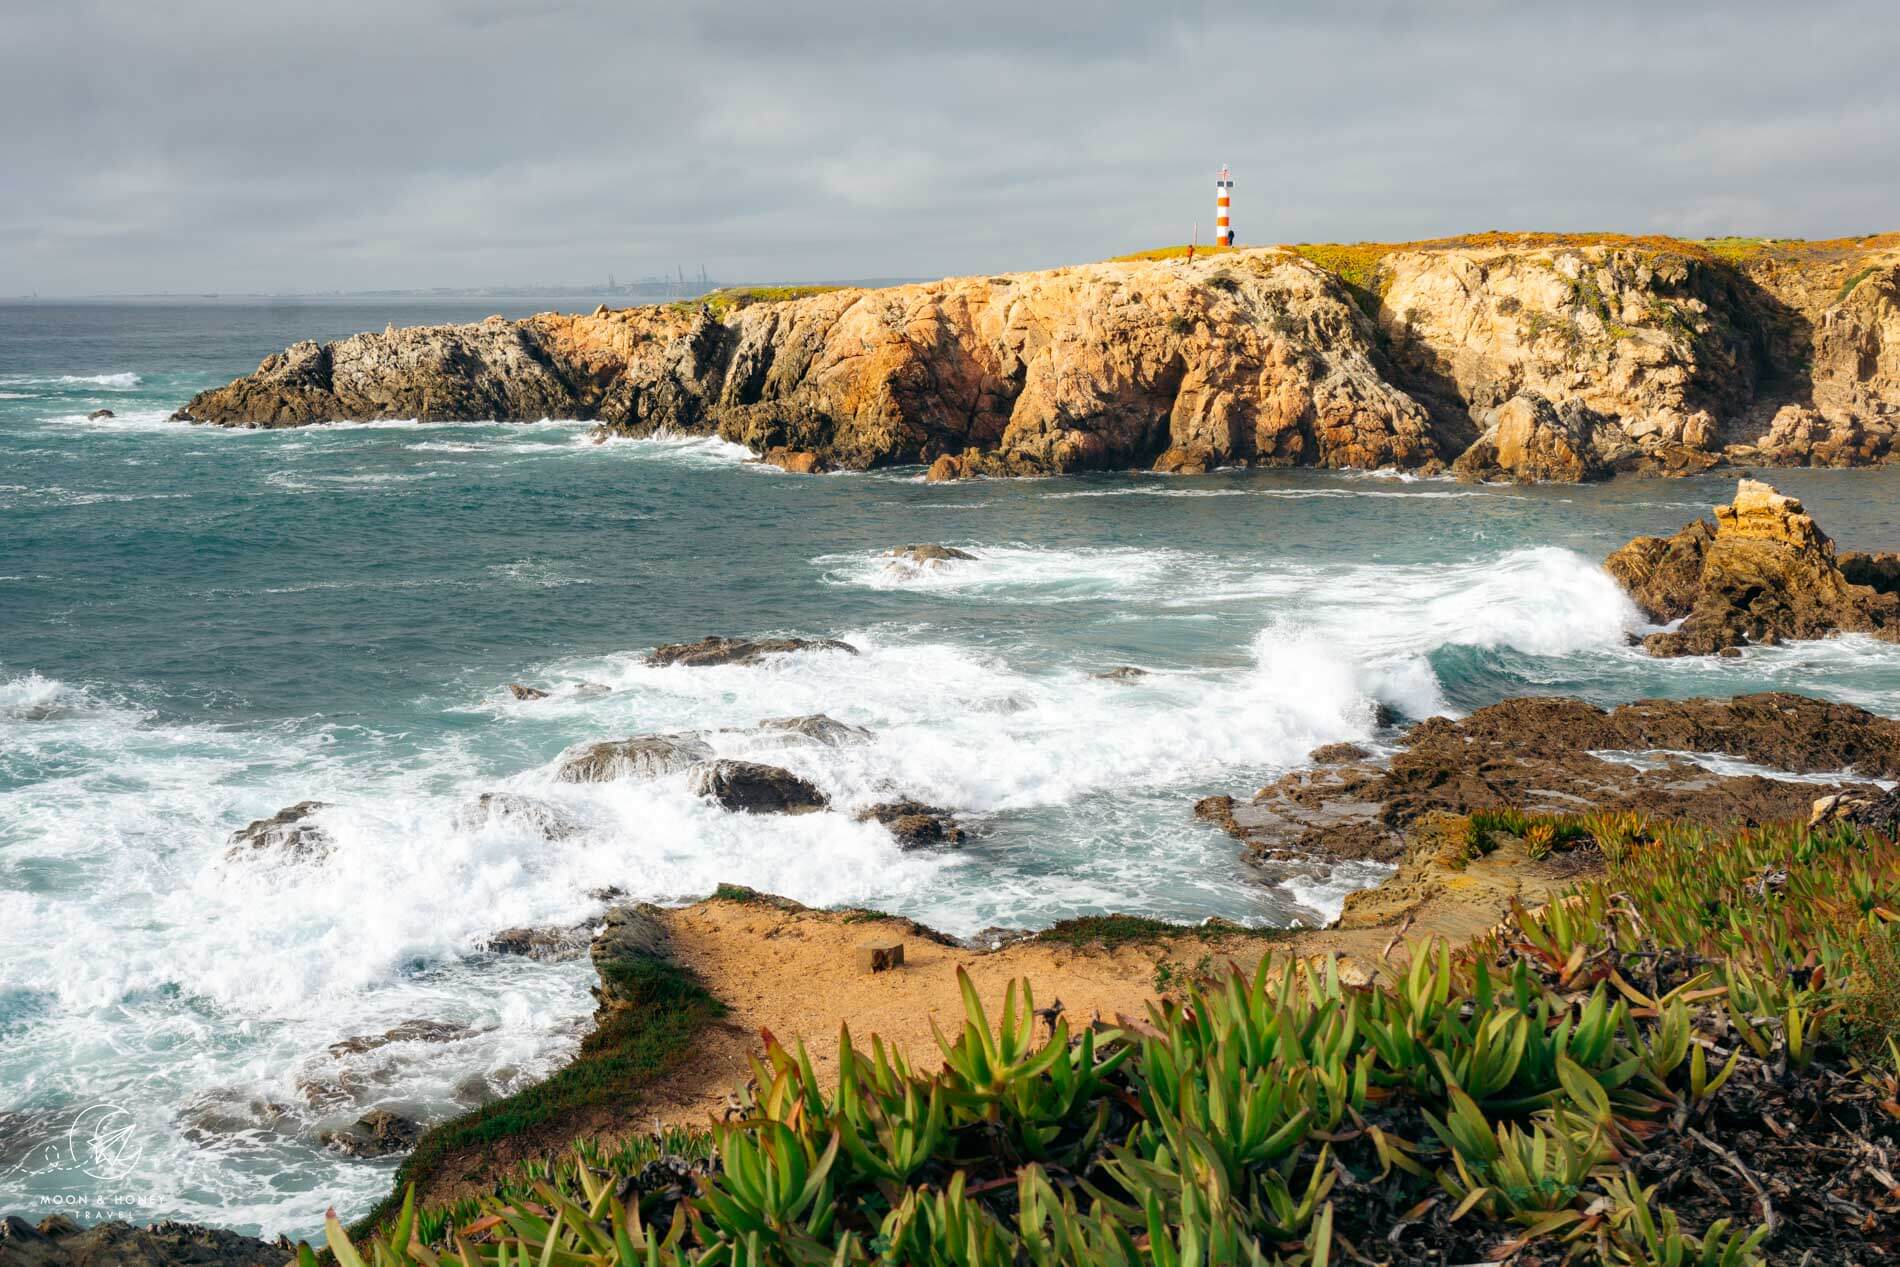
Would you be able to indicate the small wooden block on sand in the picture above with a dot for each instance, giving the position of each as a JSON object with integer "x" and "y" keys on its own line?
{"x": 878, "y": 956}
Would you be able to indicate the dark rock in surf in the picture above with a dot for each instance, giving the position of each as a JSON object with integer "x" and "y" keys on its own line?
{"x": 289, "y": 832}
{"x": 417, "y": 1031}
{"x": 931, "y": 555}
{"x": 716, "y": 650}
{"x": 915, "y": 824}
{"x": 641, "y": 757}
{"x": 1218, "y": 810}
{"x": 521, "y": 692}
{"x": 377, "y": 1133}
{"x": 747, "y": 787}
{"x": 819, "y": 728}
{"x": 60, "y": 1242}
{"x": 1121, "y": 673}
{"x": 98, "y": 414}
{"x": 539, "y": 943}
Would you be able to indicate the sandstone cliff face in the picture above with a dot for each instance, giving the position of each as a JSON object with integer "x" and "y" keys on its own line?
{"x": 1516, "y": 362}
{"x": 1763, "y": 573}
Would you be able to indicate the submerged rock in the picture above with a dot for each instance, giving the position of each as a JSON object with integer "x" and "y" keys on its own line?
{"x": 915, "y": 824}
{"x": 539, "y": 943}
{"x": 527, "y": 813}
{"x": 289, "y": 831}
{"x": 1120, "y": 673}
{"x": 57, "y": 1241}
{"x": 928, "y": 555}
{"x": 416, "y": 1031}
{"x": 98, "y": 414}
{"x": 377, "y": 1133}
{"x": 717, "y": 650}
{"x": 828, "y": 731}
{"x": 1763, "y": 572}
{"x": 748, "y": 787}
{"x": 226, "y": 1114}
{"x": 641, "y": 757}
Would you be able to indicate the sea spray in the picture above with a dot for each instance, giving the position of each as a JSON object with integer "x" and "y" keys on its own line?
{"x": 203, "y": 626}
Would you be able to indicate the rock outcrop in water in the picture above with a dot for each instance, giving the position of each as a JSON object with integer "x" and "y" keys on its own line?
{"x": 1763, "y": 573}
{"x": 641, "y": 757}
{"x": 1532, "y": 357}
{"x": 289, "y": 833}
{"x": 1541, "y": 755}
{"x": 749, "y": 787}
{"x": 717, "y": 650}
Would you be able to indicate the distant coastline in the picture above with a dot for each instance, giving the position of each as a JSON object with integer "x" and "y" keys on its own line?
{"x": 1518, "y": 357}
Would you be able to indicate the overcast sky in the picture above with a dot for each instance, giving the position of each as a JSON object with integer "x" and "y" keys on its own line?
{"x": 340, "y": 144}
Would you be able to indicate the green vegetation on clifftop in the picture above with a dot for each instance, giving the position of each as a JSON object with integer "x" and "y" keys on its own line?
{"x": 1689, "y": 1061}
{"x": 627, "y": 1050}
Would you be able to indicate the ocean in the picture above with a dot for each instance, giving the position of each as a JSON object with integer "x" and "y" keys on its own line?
{"x": 199, "y": 627}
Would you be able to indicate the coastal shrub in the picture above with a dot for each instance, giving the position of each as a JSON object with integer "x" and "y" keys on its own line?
{"x": 1853, "y": 280}
{"x": 1660, "y": 1067}
{"x": 628, "y": 1049}
{"x": 1108, "y": 932}
{"x": 733, "y": 298}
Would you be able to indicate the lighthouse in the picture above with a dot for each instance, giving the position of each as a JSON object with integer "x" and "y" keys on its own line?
{"x": 1223, "y": 200}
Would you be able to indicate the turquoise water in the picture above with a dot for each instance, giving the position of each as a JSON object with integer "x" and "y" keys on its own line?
{"x": 199, "y": 627}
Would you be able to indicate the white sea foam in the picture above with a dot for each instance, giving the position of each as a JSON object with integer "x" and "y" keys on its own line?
{"x": 1287, "y": 494}
{"x": 121, "y": 421}
{"x": 668, "y": 446}
{"x": 1541, "y": 601}
{"x": 1006, "y": 573}
{"x": 1735, "y": 767}
{"x": 123, "y": 380}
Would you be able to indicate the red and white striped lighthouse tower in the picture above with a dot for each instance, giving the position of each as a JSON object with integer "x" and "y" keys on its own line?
{"x": 1223, "y": 199}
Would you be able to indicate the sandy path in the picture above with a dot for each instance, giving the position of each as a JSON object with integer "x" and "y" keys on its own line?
{"x": 795, "y": 972}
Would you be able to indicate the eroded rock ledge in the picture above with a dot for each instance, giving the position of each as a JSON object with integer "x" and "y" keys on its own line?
{"x": 1763, "y": 572}
{"x": 1560, "y": 755}
{"x": 1527, "y": 359}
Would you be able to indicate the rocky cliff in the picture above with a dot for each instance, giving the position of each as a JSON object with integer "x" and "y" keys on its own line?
{"x": 1514, "y": 357}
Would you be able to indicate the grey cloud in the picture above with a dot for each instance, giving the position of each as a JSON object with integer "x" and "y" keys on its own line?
{"x": 213, "y": 145}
